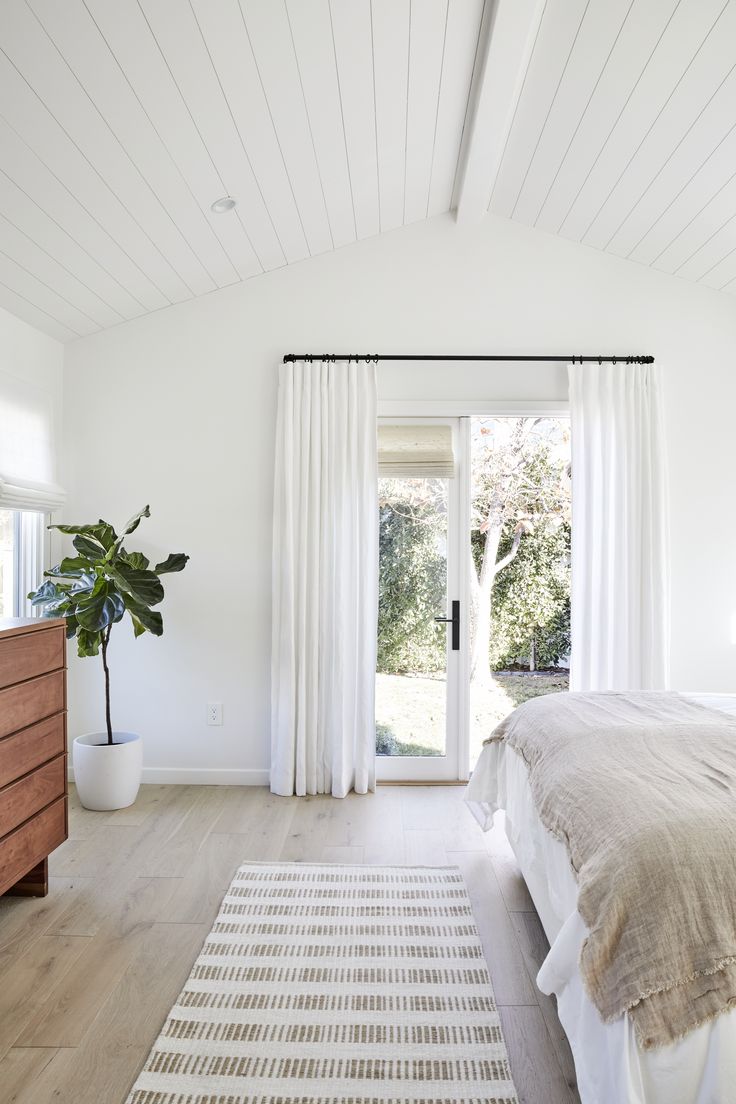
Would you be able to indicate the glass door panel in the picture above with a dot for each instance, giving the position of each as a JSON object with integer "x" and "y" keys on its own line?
{"x": 411, "y": 675}
{"x": 419, "y": 649}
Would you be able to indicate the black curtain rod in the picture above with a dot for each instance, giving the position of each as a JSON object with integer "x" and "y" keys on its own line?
{"x": 289, "y": 358}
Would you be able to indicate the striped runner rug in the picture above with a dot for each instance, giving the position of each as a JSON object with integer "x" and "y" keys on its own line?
{"x": 335, "y": 985}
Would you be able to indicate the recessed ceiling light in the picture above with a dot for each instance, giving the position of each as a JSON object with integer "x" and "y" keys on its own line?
{"x": 225, "y": 204}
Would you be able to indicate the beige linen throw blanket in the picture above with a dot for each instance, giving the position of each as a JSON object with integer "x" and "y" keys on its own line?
{"x": 641, "y": 787}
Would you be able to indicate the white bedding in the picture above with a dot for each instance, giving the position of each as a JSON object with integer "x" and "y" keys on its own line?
{"x": 611, "y": 1069}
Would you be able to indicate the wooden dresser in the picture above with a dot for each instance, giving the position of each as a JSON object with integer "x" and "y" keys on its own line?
{"x": 33, "y": 803}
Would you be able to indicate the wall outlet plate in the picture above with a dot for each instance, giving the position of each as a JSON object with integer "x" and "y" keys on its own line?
{"x": 214, "y": 713}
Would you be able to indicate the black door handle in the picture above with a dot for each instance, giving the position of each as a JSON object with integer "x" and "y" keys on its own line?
{"x": 455, "y": 622}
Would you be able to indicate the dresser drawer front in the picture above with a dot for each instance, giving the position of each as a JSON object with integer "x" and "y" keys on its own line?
{"x": 33, "y": 841}
{"x": 34, "y": 653}
{"x": 31, "y": 701}
{"x": 25, "y": 750}
{"x": 21, "y": 799}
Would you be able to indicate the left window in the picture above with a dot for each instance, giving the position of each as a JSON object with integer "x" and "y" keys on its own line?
{"x": 22, "y": 560}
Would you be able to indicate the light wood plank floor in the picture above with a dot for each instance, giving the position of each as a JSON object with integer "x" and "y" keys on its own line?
{"x": 88, "y": 974}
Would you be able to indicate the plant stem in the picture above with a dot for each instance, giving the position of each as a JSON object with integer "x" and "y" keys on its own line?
{"x": 105, "y": 641}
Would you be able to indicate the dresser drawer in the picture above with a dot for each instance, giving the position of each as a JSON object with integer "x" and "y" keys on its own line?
{"x": 21, "y": 799}
{"x": 31, "y": 701}
{"x": 31, "y": 654}
{"x": 33, "y": 841}
{"x": 27, "y": 749}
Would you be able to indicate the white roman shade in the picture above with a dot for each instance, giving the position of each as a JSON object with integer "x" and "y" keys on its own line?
{"x": 27, "y": 448}
{"x": 415, "y": 452}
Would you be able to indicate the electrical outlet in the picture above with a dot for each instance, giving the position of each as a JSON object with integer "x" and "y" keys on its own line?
{"x": 214, "y": 713}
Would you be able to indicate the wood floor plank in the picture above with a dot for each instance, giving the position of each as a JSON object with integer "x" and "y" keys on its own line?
{"x": 21, "y": 1068}
{"x": 178, "y": 843}
{"x": 511, "y": 883}
{"x": 25, "y": 919}
{"x": 352, "y": 855}
{"x": 371, "y": 821}
{"x": 75, "y": 1001}
{"x": 534, "y": 947}
{"x": 534, "y": 1066}
{"x": 425, "y": 847}
{"x": 308, "y": 830}
{"x": 29, "y": 981}
{"x": 150, "y": 800}
{"x": 511, "y": 982}
{"x": 100, "y": 1075}
{"x": 197, "y": 895}
{"x": 243, "y": 807}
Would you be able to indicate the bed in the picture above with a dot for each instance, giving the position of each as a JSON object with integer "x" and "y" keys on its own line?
{"x": 611, "y": 1066}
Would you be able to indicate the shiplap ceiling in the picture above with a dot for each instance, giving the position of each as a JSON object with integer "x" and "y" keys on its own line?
{"x": 623, "y": 135}
{"x": 611, "y": 122}
{"x": 122, "y": 121}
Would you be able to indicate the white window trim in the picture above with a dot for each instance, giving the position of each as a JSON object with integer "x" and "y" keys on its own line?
{"x": 459, "y": 408}
{"x": 31, "y": 557}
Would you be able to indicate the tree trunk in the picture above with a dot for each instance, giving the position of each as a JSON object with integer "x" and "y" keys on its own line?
{"x": 105, "y": 641}
{"x": 480, "y": 666}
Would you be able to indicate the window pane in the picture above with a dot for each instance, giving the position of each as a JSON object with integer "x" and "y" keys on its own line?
{"x": 520, "y": 586}
{"x": 411, "y": 680}
{"x": 7, "y": 562}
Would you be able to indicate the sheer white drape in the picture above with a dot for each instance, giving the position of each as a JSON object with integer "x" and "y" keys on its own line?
{"x": 620, "y": 532}
{"x": 325, "y": 580}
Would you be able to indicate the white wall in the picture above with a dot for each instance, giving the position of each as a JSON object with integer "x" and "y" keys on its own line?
{"x": 177, "y": 409}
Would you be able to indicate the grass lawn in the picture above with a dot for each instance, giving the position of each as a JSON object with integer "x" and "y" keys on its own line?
{"x": 410, "y": 709}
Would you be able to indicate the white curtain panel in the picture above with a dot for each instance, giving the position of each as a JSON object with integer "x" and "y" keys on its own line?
{"x": 620, "y": 531}
{"x": 325, "y": 580}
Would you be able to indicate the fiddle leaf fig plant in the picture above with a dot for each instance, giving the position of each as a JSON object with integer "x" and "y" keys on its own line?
{"x": 96, "y": 588}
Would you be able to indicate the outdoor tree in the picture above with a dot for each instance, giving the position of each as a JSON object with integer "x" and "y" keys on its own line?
{"x": 520, "y": 490}
{"x": 412, "y": 581}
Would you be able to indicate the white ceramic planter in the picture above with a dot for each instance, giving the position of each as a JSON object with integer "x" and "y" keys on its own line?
{"x": 107, "y": 776}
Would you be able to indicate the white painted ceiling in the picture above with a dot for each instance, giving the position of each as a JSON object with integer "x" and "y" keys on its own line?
{"x": 122, "y": 121}
{"x": 624, "y": 134}
{"x": 611, "y": 122}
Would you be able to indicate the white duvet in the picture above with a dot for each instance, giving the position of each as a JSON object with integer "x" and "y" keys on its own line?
{"x": 610, "y": 1067}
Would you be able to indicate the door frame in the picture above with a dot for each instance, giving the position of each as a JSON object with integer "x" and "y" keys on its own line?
{"x": 459, "y": 412}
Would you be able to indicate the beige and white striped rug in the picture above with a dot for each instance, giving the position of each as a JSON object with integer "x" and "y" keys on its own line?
{"x": 335, "y": 985}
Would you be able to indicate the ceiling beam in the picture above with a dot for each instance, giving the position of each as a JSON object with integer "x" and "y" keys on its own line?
{"x": 508, "y": 33}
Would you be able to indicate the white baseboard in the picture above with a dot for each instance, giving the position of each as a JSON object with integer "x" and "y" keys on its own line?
{"x": 200, "y": 776}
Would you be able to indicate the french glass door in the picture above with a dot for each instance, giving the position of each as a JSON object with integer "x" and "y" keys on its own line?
{"x": 422, "y": 633}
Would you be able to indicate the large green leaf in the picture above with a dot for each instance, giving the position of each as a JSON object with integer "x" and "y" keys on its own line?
{"x": 73, "y": 566}
{"x": 100, "y": 607}
{"x": 135, "y": 521}
{"x": 87, "y": 530}
{"x": 143, "y": 586}
{"x": 89, "y": 547}
{"x": 105, "y": 534}
{"x": 83, "y": 584}
{"x": 88, "y": 642}
{"x": 144, "y": 619}
{"x": 175, "y": 561}
{"x": 47, "y": 592}
{"x": 135, "y": 559}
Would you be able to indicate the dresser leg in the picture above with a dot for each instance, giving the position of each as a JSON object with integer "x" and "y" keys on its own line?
{"x": 33, "y": 884}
